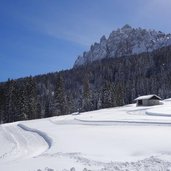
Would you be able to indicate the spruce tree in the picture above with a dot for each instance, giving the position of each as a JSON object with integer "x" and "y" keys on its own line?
{"x": 107, "y": 100}
{"x": 118, "y": 94}
{"x": 9, "y": 106}
{"x": 59, "y": 97}
{"x": 39, "y": 110}
{"x": 30, "y": 98}
{"x": 23, "y": 105}
{"x": 87, "y": 97}
{"x": 2, "y": 104}
{"x": 48, "y": 113}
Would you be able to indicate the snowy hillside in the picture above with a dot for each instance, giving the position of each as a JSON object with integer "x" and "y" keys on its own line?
{"x": 122, "y": 138}
{"x": 124, "y": 42}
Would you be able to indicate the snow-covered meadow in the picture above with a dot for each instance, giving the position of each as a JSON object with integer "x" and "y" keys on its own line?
{"x": 122, "y": 138}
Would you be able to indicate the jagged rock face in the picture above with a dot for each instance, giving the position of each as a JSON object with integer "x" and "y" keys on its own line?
{"x": 97, "y": 51}
{"x": 125, "y": 42}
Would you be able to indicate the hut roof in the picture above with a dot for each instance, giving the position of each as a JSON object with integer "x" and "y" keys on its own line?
{"x": 148, "y": 97}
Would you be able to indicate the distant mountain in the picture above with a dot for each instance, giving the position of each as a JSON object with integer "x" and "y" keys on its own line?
{"x": 125, "y": 41}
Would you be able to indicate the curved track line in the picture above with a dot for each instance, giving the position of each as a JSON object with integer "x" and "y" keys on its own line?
{"x": 40, "y": 133}
{"x": 76, "y": 121}
{"x": 91, "y": 122}
{"x": 157, "y": 114}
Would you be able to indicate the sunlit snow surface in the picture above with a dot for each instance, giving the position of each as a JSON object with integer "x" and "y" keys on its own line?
{"x": 129, "y": 137}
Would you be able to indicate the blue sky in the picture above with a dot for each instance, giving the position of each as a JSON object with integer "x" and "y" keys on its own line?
{"x": 41, "y": 36}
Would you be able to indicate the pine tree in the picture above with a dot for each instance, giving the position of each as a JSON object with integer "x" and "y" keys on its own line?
{"x": 99, "y": 102}
{"x": 59, "y": 97}
{"x": 118, "y": 94}
{"x": 48, "y": 113}
{"x": 10, "y": 97}
{"x": 107, "y": 100}
{"x": 69, "y": 105}
{"x": 2, "y": 104}
{"x": 38, "y": 111}
{"x": 23, "y": 105}
{"x": 87, "y": 98}
{"x": 29, "y": 98}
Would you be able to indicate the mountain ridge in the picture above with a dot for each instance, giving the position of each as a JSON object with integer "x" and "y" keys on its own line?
{"x": 125, "y": 41}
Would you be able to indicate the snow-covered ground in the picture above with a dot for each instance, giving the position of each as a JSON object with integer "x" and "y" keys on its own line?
{"x": 122, "y": 138}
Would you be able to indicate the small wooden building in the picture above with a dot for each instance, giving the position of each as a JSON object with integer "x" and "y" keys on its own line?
{"x": 148, "y": 100}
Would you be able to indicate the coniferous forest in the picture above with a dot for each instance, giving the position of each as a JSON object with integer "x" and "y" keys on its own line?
{"x": 105, "y": 83}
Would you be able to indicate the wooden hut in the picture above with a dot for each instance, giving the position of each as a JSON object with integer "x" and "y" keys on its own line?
{"x": 148, "y": 100}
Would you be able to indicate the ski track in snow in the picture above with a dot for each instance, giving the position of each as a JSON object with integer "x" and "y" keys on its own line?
{"x": 48, "y": 140}
{"x": 22, "y": 142}
{"x": 149, "y": 164}
{"x": 80, "y": 121}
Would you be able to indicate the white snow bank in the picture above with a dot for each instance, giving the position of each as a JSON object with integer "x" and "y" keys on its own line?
{"x": 167, "y": 100}
{"x": 163, "y": 111}
{"x": 7, "y": 143}
{"x": 18, "y": 144}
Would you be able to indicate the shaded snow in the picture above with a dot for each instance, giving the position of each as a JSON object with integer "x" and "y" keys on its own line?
{"x": 164, "y": 111}
{"x": 16, "y": 143}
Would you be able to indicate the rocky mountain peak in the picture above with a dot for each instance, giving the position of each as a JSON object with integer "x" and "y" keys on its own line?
{"x": 125, "y": 41}
{"x": 126, "y": 27}
{"x": 103, "y": 39}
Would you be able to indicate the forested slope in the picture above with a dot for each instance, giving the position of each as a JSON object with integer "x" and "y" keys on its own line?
{"x": 104, "y": 83}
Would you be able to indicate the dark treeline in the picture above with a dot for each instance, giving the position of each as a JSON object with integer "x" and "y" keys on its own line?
{"x": 102, "y": 84}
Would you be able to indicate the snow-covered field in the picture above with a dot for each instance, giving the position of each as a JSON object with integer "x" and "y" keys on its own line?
{"x": 122, "y": 138}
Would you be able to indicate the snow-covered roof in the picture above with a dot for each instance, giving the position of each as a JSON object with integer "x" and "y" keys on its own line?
{"x": 147, "y": 97}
